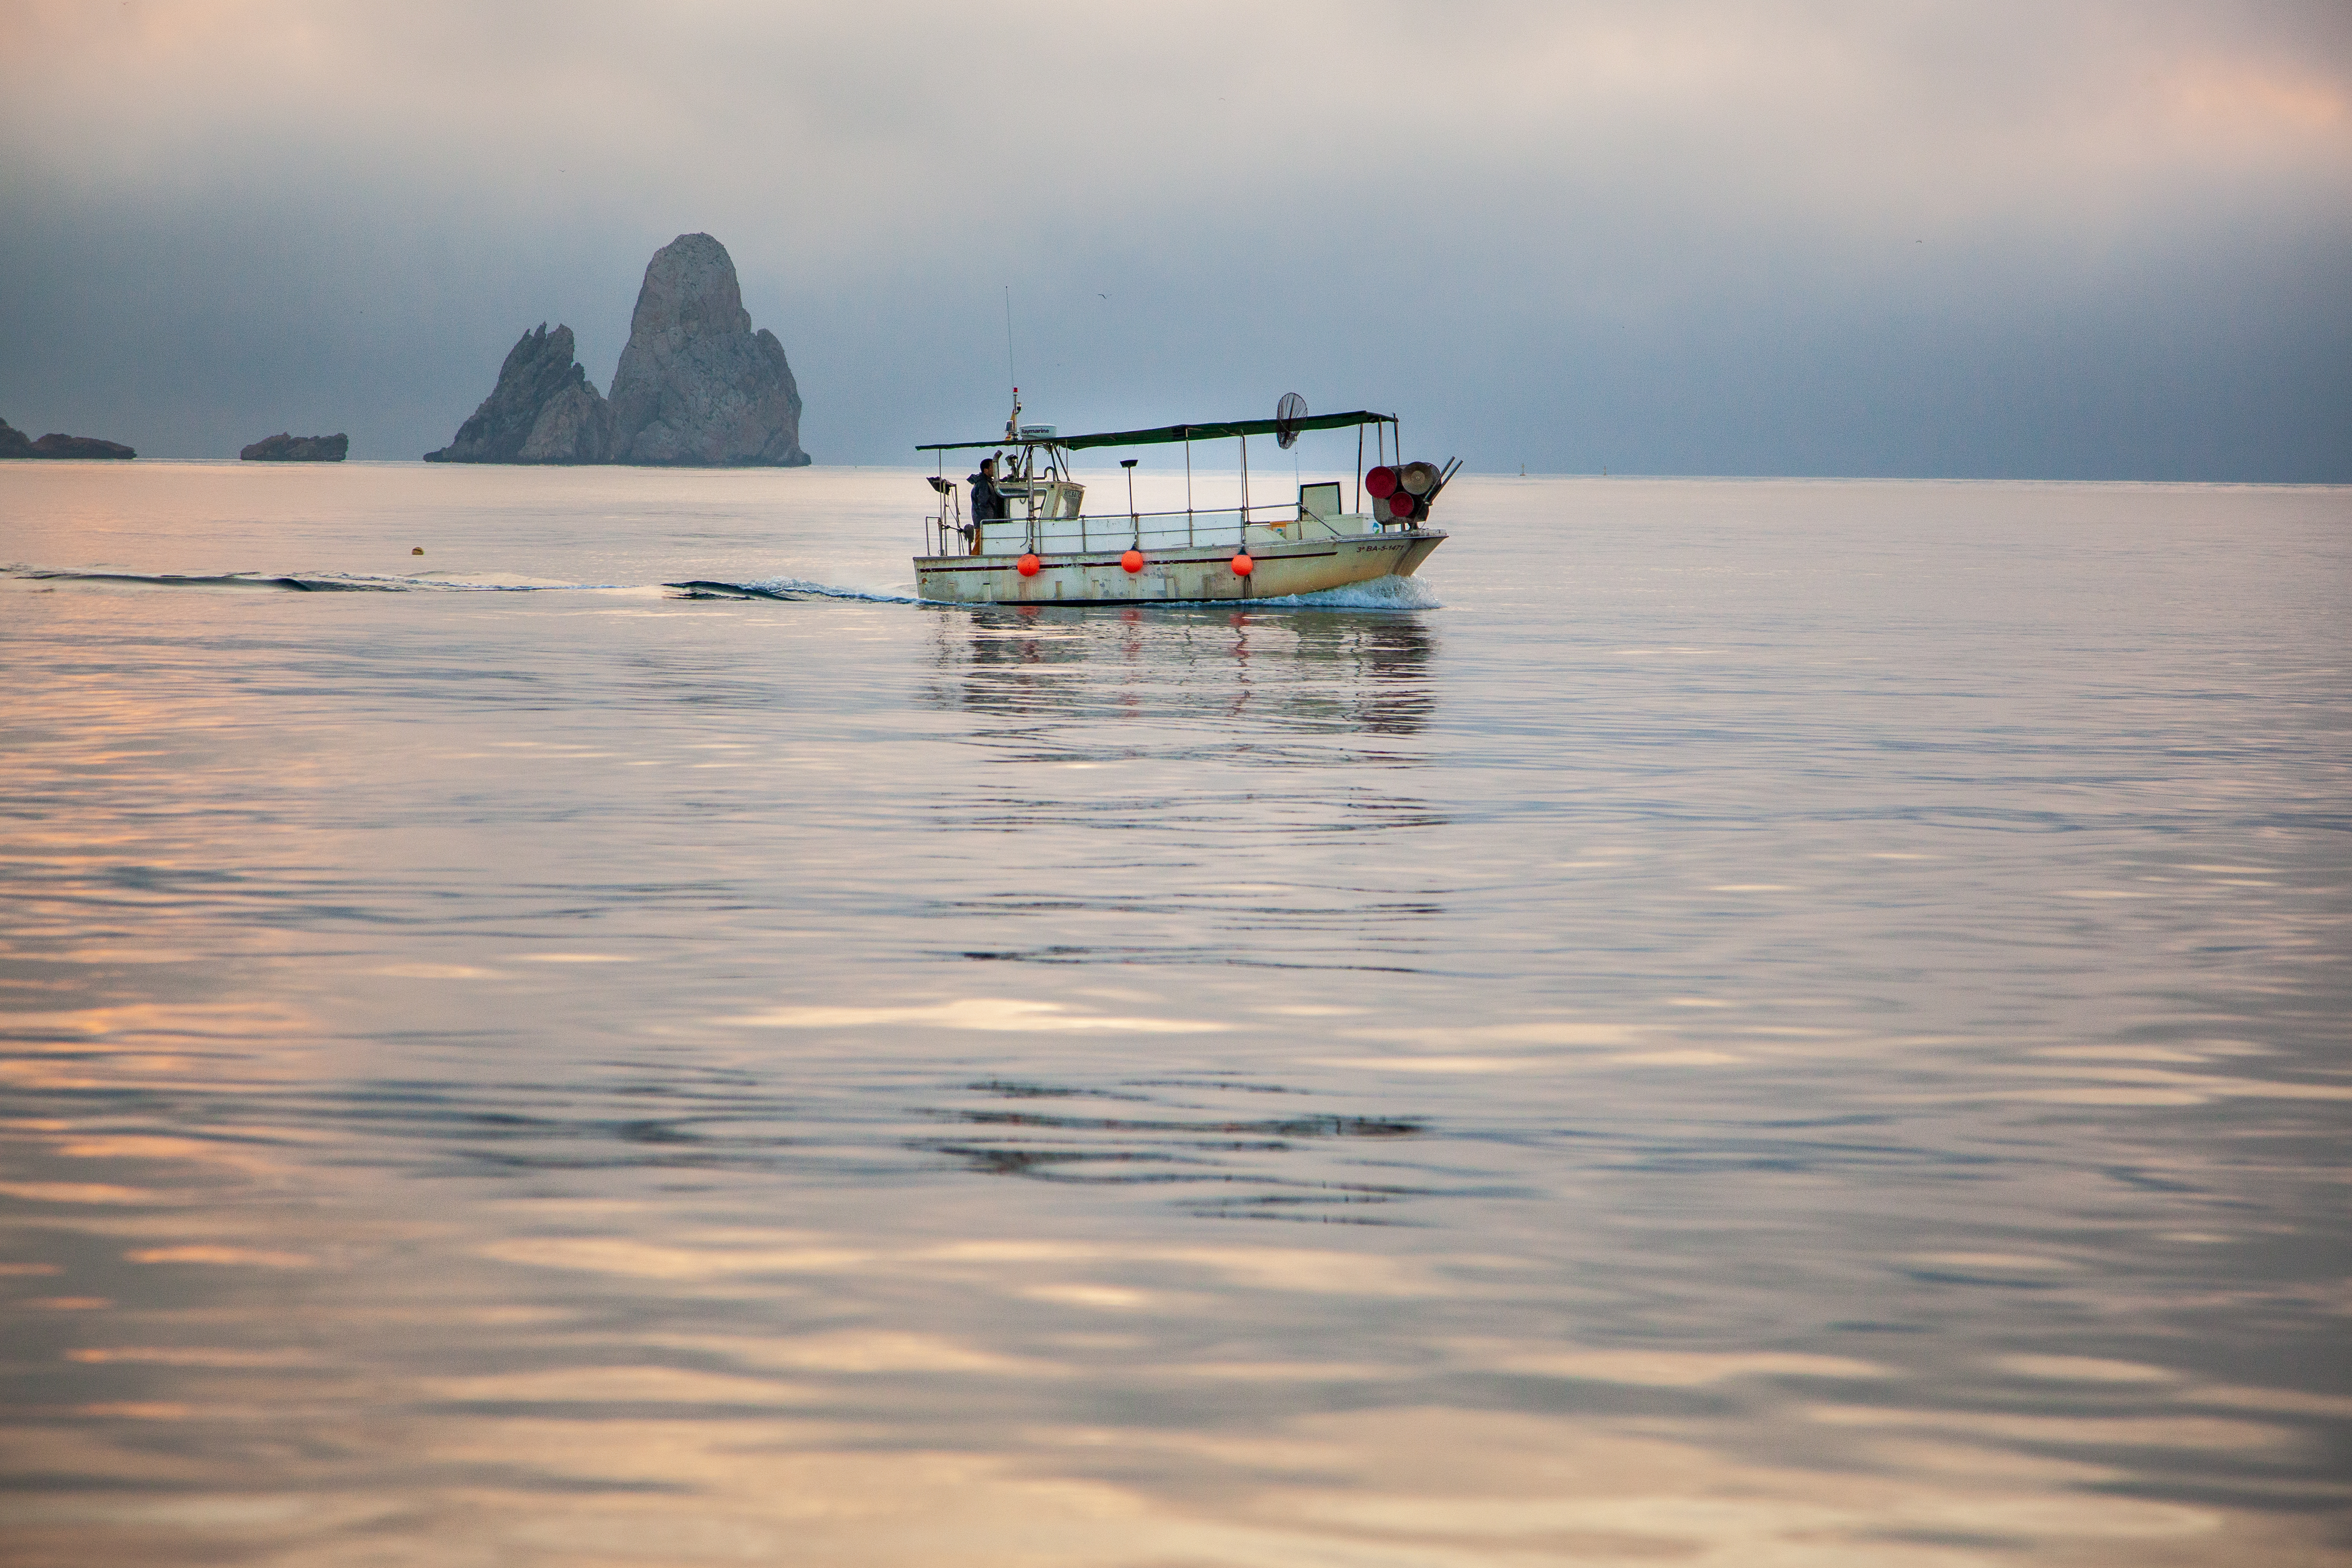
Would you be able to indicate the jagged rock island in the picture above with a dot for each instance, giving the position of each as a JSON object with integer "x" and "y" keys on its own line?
{"x": 696, "y": 387}
{"x": 14, "y": 443}
{"x": 283, "y": 448}
{"x": 543, "y": 410}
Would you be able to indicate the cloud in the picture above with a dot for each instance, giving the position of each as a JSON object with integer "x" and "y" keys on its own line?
{"x": 1711, "y": 236}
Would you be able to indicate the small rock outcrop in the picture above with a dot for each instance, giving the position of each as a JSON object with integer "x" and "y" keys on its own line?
{"x": 14, "y": 444}
{"x": 697, "y": 386}
{"x": 283, "y": 448}
{"x": 543, "y": 410}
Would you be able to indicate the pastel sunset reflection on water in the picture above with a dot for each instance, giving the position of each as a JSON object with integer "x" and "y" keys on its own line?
{"x": 1755, "y": 1021}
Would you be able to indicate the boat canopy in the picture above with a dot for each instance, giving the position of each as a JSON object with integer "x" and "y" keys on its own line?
{"x": 1165, "y": 434}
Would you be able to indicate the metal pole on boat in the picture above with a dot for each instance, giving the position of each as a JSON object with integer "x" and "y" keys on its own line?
{"x": 1134, "y": 520}
{"x": 1029, "y": 498}
{"x": 1245, "y": 489}
{"x": 1360, "y": 468}
{"x": 1187, "y": 487}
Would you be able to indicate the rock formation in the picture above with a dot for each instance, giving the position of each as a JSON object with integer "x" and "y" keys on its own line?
{"x": 697, "y": 386}
{"x": 13, "y": 444}
{"x": 285, "y": 449}
{"x": 576, "y": 426}
{"x": 543, "y": 410}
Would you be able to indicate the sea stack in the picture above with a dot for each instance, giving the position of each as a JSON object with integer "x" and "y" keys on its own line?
{"x": 283, "y": 448}
{"x": 543, "y": 410}
{"x": 697, "y": 386}
{"x": 14, "y": 443}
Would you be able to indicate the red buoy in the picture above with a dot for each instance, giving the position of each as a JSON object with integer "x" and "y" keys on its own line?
{"x": 1026, "y": 565}
{"x": 1243, "y": 565}
{"x": 1380, "y": 483}
{"x": 1132, "y": 560}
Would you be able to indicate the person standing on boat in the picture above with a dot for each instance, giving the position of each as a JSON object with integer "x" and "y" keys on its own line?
{"x": 987, "y": 500}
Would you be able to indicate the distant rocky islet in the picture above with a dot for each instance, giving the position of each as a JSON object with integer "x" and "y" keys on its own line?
{"x": 542, "y": 410}
{"x": 283, "y": 447}
{"x": 14, "y": 443}
{"x": 695, "y": 387}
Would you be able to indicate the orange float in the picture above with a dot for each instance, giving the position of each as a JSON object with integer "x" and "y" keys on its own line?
{"x": 1027, "y": 566}
{"x": 1132, "y": 560}
{"x": 1243, "y": 565}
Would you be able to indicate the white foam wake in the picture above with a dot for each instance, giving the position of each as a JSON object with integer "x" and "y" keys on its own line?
{"x": 833, "y": 591}
{"x": 1378, "y": 594}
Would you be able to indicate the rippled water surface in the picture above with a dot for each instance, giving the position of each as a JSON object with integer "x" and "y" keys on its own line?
{"x": 1744, "y": 1023}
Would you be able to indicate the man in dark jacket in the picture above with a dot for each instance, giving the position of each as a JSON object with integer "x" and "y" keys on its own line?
{"x": 987, "y": 500}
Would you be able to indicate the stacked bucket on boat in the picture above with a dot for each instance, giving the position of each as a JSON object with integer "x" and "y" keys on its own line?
{"x": 1402, "y": 494}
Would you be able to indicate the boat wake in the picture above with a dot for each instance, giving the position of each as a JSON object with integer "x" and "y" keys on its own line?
{"x": 320, "y": 583}
{"x": 302, "y": 582}
{"x": 788, "y": 588}
{"x": 1379, "y": 594}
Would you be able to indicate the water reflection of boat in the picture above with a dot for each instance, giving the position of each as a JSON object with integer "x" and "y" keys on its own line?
{"x": 1049, "y": 549}
{"x": 1332, "y": 671}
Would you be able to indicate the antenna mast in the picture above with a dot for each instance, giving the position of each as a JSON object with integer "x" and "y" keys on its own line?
{"x": 1013, "y": 424}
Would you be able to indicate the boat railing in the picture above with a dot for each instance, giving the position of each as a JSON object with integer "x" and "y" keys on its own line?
{"x": 1148, "y": 530}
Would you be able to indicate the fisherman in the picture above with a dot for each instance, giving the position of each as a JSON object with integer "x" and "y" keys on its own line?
{"x": 987, "y": 500}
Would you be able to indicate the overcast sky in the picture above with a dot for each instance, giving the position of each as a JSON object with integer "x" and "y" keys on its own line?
{"x": 2079, "y": 240}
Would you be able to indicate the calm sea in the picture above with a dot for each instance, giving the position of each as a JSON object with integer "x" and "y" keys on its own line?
{"x": 1741, "y": 1023}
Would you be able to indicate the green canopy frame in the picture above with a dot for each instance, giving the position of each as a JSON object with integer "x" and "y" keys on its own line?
{"x": 1167, "y": 433}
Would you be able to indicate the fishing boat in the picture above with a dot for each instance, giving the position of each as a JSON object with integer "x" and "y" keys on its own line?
{"x": 1048, "y": 549}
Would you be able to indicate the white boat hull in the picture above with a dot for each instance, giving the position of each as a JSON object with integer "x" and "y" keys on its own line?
{"x": 1186, "y": 574}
